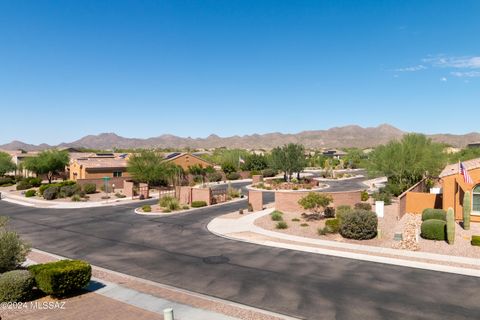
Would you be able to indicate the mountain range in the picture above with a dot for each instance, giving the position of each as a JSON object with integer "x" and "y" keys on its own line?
{"x": 337, "y": 137}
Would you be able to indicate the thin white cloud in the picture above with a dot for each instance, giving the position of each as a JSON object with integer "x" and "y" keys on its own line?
{"x": 411, "y": 69}
{"x": 467, "y": 62}
{"x": 466, "y": 74}
{"x": 444, "y": 79}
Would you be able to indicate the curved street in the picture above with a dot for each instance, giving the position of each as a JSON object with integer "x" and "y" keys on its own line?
{"x": 178, "y": 250}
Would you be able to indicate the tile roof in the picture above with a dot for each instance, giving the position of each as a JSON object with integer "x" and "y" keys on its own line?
{"x": 100, "y": 163}
{"x": 452, "y": 169}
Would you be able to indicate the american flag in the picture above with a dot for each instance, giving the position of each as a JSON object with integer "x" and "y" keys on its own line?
{"x": 464, "y": 173}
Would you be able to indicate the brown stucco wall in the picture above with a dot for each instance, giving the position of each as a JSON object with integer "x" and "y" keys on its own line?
{"x": 454, "y": 189}
{"x": 255, "y": 198}
{"x": 288, "y": 201}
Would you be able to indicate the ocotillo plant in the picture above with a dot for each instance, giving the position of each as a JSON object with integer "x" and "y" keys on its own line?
{"x": 450, "y": 226}
{"x": 467, "y": 210}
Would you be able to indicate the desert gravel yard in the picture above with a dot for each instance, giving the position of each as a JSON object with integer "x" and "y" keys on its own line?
{"x": 409, "y": 225}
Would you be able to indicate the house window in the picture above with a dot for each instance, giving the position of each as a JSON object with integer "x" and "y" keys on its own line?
{"x": 117, "y": 174}
{"x": 476, "y": 199}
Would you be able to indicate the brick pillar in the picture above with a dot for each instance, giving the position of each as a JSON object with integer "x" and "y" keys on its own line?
{"x": 255, "y": 198}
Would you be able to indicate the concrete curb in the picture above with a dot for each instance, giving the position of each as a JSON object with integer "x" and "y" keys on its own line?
{"x": 215, "y": 226}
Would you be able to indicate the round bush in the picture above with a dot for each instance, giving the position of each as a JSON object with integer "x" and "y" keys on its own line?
{"x": 437, "y": 214}
{"x": 433, "y": 229}
{"x": 90, "y": 188}
{"x": 363, "y": 206}
{"x": 30, "y": 193}
{"x": 198, "y": 204}
{"x": 214, "y": 176}
{"x": 50, "y": 193}
{"x": 359, "y": 225}
{"x": 147, "y": 208}
{"x": 329, "y": 212}
{"x": 16, "y": 286}
{"x": 281, "y": 225}
{"x": 69, "y": 190}
{"x": 233, "y": 176}
{"x": 332, "y": 225}
{"x": 277, "y": 216}
{"x": 24, "y": 185}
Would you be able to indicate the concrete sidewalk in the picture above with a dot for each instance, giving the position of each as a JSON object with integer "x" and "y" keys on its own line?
{"x": 244, "y": 229}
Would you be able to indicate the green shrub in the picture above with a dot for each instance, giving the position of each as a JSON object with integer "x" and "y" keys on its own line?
{"x": 437, "y": 214}
{"x": 329, "y": 212}
{"x": 214, "y": 176}
{"x": 34, "y": 182}
{"x": 185, "y": 207}
{"x": 16, "y": 286}
{"x": 364, "y": 196}
{"x": 304, "y": 225}
{"x": 43, "y": 187}
{"x": 147, "y": 208}
{"x": 475, "y": 241}
{"x": 76, "y": 198}
{"x": 341, "y": 210}
{"x": 166, "y": 210}
{"x": 198, "y": 204}
{"x": 276, "y": 215}
{"x": 359, "y": 225}
{"x": 281, "y": 225}
{"x": 433, "y": 229}
{"x": 322, "y": 231}
{"x": 233, "y": 176}
{"x": 6, "y": 181}
{"x": 383, "y": 195}
{"x": 23, "y": 185}
{"x": 233, "y": 193}
{"x": 315, "y": 201}
{"x": 363, "y": 206}
{"x": 50, "y": 193}
{"x": 269, "y": 173}
{"x": 450, "y": 226}
{"x": 169, "y": 202}
{"x": 295, "y": 220}
{"x": 332, "y": 225}
{"x": 61, "y": 277}
{"x": 68, "y": 191}
{"x": 467, "y": 210}
{"x": 13, "y": 250}
{"x": 120, "y": 195}
{"x": 90, "y": 188}
{"x": 30, "y": 193}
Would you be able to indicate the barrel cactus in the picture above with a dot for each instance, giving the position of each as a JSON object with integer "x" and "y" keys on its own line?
{"x": 450, "y": 226}
{"x": 467, "y": 210}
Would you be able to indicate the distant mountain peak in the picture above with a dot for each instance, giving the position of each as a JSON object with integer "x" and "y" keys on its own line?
{"x": 337, "y": 137}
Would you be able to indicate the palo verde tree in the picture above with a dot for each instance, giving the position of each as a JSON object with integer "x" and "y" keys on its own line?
{"x": 148, "y": 166}
{"x": 49, "y": 162}
{"x": 290, "y": 159}
{"x": 6, "y": 164}
{"x": 407, "y": 161}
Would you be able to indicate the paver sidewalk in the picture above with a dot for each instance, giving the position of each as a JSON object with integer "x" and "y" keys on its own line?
{"x": 244, "y": 229}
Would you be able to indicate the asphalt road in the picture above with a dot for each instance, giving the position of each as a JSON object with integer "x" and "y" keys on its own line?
{"x": 178, "y": 250}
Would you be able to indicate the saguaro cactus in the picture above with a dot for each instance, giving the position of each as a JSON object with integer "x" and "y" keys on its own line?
{"x": 450, "y": 226}
{"x": 467, "y": 210}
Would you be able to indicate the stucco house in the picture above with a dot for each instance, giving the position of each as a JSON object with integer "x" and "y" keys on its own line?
{"x": 449, "y": 192}
{"x": 186, "y": 160}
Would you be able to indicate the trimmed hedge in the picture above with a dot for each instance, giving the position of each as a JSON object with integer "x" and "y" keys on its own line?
{"x": 475, "y": 241}
{"x": 16, "y": 286}
{"x": 198, "y": 204}
{"x": 61, "y": 277}
{"x": 359, "y": 225}
{"x": 437, "y": 214}
{"x": 433, "y": 229}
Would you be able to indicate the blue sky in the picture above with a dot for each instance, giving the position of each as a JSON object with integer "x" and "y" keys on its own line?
{"x": 191, "y": 68}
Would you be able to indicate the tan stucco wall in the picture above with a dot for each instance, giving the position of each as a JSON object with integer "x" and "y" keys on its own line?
{"x": 202, "y": 194}
{"x": 255, "y": 198}
{"x": 416, "y": 202}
